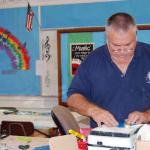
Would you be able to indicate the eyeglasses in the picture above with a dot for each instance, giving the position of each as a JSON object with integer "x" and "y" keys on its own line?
{"x": 122, "y": 50}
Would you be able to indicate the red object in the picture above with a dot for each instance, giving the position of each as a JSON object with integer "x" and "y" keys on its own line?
{"x": 29, "y": 18}
{"x": 74, "y": 68}
{"x": 82, "y": 145}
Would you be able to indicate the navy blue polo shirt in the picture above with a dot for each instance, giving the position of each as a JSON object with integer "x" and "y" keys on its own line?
{"x": 102, "y": 83}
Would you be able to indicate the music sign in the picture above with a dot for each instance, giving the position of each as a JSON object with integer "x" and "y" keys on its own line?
{"x": 79, "y": 51}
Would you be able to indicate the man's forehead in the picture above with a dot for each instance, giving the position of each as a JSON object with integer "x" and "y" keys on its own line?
{"x": 121, "y": 33}
{"x": 119, "y": 38}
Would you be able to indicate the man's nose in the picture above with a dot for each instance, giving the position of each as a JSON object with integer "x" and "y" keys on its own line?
{"x": 123, "y": 49}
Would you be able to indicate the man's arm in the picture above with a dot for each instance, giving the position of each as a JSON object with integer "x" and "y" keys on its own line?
{"x": 81, "y": 105}
{"x": 137, "y": 117}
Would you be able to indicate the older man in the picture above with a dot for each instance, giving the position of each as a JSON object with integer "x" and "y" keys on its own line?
{"x": 113, "y": 83}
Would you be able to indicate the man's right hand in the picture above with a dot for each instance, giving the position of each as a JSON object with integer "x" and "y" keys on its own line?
{"x": 81, "y": 105}
{"x": 102, "y": 116}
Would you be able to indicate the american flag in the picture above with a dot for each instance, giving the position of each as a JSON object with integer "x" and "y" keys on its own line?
{"x": 29, "y": 18}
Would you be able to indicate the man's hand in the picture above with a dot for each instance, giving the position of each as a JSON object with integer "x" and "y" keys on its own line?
{"x": 137, "y": 117}
{"x": 101, "y": 115}
{"x": 81, "y": 105}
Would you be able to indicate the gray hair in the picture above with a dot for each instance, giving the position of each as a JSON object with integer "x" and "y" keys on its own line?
{"x": 120, "y": 22}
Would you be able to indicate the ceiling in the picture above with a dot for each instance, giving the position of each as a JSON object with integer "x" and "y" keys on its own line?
{"x": 22, "y": 3}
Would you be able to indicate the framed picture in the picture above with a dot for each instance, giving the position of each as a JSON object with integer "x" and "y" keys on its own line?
{"x": 74, "y": 45}
{"x": 78, "y": 52}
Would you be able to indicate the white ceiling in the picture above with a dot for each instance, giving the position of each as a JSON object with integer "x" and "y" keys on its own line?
{"x": 22, "y": 3}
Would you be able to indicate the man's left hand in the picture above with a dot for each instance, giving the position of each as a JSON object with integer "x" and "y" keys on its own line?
{"x": 138, "y": 117}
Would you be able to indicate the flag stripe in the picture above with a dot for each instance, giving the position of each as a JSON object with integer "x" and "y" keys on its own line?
{"x": 29, "y": 18}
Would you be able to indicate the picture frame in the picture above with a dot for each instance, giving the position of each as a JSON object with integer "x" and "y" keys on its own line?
{"x": 73, "y": 46}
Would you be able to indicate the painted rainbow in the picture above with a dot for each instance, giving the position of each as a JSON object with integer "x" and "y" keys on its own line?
{"x": 14, "y": 49}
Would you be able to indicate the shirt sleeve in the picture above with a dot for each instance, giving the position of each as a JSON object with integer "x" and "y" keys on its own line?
{"x": 80, "y": 83}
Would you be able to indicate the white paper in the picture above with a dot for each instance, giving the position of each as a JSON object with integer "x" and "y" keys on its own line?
{"x": 144, "y": 133}
{"x": 49, "y": 78}
{"x": 40, "y": 67}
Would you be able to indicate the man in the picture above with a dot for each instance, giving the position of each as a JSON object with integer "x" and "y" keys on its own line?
{"x": 113, "y": 83}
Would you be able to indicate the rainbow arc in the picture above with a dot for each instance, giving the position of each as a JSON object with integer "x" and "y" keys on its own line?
{"x": 14, "y": 49}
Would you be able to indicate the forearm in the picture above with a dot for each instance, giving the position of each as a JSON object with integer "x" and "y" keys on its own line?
{"x": 80, "y": 104}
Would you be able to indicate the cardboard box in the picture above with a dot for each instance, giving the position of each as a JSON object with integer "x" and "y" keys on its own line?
{"x": 142, "y": 145}
{"x": 64, "y": 142}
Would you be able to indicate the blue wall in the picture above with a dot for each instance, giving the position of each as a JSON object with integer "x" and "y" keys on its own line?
{"x": 57, "y": 16}
{"x": 92, "y": 14}
{"x": 21, "y": 82}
